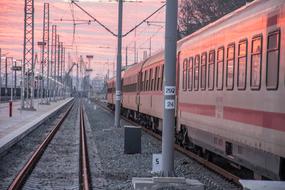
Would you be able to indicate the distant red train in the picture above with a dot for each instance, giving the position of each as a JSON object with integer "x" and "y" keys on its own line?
{"x": 230, "y": 100}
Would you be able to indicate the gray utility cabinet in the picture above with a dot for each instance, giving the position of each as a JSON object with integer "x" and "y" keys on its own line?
{"x": 132, "y": 140}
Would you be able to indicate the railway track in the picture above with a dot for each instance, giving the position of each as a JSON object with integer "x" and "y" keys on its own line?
{"x": 85, "y": 173}
{"x": 22, "y": 179}
{"x": 220, "y": 171}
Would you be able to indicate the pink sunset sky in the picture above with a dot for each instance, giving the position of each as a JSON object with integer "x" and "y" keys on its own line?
{"x": 89, "y": 39}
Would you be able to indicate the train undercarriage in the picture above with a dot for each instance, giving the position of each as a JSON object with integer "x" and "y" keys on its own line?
{"x": 226, "y": 158}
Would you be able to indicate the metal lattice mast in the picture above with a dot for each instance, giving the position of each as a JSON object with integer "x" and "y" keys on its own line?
{"x": 58, "y": 65}
{"x": 64, "y": 72}
{"x": 45, "y": 54}
{"x": 28, "y": 57}
{"x": 61, "y": 68}
{"x": 52, "y": 60}
{"x": 54, "y": 63}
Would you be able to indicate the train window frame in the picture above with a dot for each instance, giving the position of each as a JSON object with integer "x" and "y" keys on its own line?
{"x": 222, "y": 48}
{"x": 158, "y": 78}
{"x": 150, "y": 79}
{"x": 184, "y": 74}
{"x": 278, "y": 33}
{"x": 146, "y": 80}
{"x": 162, "y": 77}
{"x": 239, "y": 57}
{"x": 139, "y": 82}
{"x": 196, "y": 88}
{"x": 155, "y": 78}
{"x": 190, "y": 77}
{"x": 211, "y": 52}
{"x": 231, "y": 45}
{"x": 255, "y": 38}
{"x": 142, "y": 80}
{"x": 205, "y": 73}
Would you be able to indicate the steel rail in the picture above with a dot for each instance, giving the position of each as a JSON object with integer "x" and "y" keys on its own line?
{"x": 85, "y": 181}
{"x": 222, "y": 172}
{"x": 29, "y": 166}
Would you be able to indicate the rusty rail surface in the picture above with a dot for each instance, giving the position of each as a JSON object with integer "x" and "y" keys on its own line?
{"x": 85, "y": 180}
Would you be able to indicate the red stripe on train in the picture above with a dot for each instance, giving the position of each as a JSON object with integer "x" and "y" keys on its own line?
{"x": 264, "y": 119}
{"x": 207, "y": 110}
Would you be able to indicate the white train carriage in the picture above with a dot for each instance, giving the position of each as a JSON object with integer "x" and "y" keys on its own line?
{"x": 231, "y": 96}
{"x": 130, "y": 88}
{"x": 151, "y": 97}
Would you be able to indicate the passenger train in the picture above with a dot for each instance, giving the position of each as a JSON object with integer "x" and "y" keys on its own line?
{"x": 230, "y": 97}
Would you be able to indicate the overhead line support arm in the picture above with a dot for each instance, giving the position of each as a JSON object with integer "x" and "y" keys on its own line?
{"x": 110, "y": 31}
{"x": 144, "y": 20}
{"x": 95, "y": 20}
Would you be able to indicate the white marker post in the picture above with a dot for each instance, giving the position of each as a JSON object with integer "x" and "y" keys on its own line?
{"x": 156, "y": 163}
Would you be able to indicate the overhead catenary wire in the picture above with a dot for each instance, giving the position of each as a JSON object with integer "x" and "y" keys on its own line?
{"x": 109, "y": 30}
{"x": 141, "y": 31}
{"x": 144, "y": 20}
{"x": 95, "y": 20}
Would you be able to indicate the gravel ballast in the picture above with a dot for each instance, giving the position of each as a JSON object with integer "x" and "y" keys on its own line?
{"x": 117, "y": 169}
{"x": 58, "y": 168}
{"x": 15, "y": 157}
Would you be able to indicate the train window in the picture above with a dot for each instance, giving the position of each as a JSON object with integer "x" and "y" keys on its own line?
{"x": 196, "y": 72}
{"x": 230, "y": 67}
{"x": 155, "y": 79}
{"x": 242, "y": 65}
{"x": 184, "y": 74}
{"x": 139, "y": 81}
{"x": 273, "y": 54}
{"x": 142, "y": 82}
{"x": 162, "y": 77}
{"x": 150, "y": 80}
{"x": 256, "y": 60}
{"x": 203, "y": 70}
{"x": 158, "y": 78}
{"x": 190, "y": 73}
{"x": 146, "y": 80}
{"x": 220, "y": 68}
{"x": 211, "y": 70}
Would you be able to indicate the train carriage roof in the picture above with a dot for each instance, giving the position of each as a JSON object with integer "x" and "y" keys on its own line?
{"x": 235, "y": 17}
{"x": 242, "y": 14}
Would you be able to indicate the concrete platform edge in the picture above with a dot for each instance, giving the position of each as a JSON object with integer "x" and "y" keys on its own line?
{"x": 154, "y": 183}
{"x": 11, "y": 139}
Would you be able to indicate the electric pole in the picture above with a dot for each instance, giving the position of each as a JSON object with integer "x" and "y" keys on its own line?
{"x": 55, "y": 63}
{"x": 126, "y": 56}
{"x": 169, "y": 88}
{"x": 58, "y": 66}
{"x": 45, "y": 55}
{"x": 52, "y": 61}
{"x": 28, "y": 57}
{"x": 119, "y": 64}
{"x": 61, "y": 69}
{"x": 0, "y": 75}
